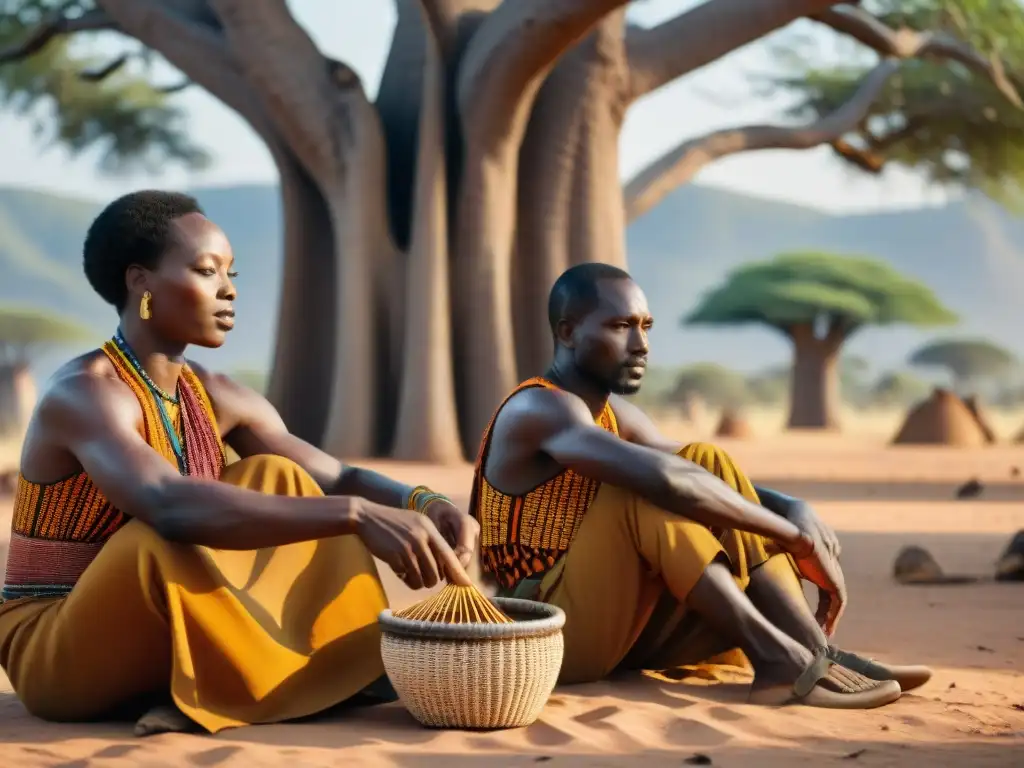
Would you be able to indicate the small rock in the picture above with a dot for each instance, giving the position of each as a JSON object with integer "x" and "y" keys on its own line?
{"x": 698, "y": 759}
{"x": 985, "y": 649}
{"x": 1014, "y": 471}
{"x": 1018, "y": 707}
{"x": 854, "y": 755}
{"x": 915, "y": 564}
{"x": 884, "y": 727}
{"x": 952, "y": 686}
{"x": 970, "y": 489}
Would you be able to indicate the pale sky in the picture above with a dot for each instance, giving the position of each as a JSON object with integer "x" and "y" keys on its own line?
{"x": 359, "y": 32}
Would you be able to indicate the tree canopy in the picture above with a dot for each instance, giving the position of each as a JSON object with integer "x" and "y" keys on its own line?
{"x": 965, "y": 359}
{"x": 930, "y": 85}
{"x": 24, "y": 330}
{"x": 83, "y": 101}
{"x": 805, "y": 288}
{"x": 952, "y": 112}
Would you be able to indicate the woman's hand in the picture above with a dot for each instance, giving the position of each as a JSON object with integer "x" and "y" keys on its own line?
{"x": 410, "y": 544}
{"x": 461, "y": 531}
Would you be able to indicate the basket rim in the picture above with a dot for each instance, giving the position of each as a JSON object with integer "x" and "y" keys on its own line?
{"x": 550, "y": 619}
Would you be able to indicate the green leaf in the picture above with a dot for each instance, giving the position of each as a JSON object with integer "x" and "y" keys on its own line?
{"x": 127, "y": 119}
{"x": 801, "y": 287}
{"x": 935, "y": 116}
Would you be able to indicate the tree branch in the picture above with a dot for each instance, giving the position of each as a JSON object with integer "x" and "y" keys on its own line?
{"x": 168, "y": 90}
{"x": 648, "y": 187}
{"x": 510, "y": 53}
{"x": 906, "y": 43}
{"x": 871, "y": 159}
{"x": 98, "y": 75}
{"x": 660, "y": 54}
{"x": 55, "y": 26}
{"x": 305, "y": 94}
{"x": 187, "y": 34}
{"x": 444, "y": 17}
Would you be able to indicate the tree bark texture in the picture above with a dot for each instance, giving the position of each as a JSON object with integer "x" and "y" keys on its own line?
{"x": 814, "y": 398}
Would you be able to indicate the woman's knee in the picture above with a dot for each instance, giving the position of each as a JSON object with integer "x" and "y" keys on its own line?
{"x": 271, "y": 474}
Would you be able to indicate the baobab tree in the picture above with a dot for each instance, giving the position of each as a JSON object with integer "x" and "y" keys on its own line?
{"x": 818, "y": 301}
{"x": 487, "y": 164}
{"x": 25, "y": 332}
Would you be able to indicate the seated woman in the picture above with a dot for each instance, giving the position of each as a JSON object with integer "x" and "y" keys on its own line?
{"x": 142, "y": 569}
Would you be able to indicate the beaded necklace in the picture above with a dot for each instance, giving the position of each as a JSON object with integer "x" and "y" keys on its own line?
{"x": 159, "y": 396}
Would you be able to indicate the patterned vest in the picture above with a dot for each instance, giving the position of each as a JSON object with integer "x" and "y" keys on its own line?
{"x": 523, "y": 536}
{"x": 58, "y": 528}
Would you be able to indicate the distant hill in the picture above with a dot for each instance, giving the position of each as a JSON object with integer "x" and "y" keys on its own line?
{"x": 971, "y": 253}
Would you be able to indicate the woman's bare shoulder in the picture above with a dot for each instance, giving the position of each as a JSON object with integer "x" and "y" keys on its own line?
{"x": 83, "y": 392}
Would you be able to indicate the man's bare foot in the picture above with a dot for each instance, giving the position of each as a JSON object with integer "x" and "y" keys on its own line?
{"x": 820, "y": 683}
{"x": 164, "y": 718}
{"x": 908, "y": 676}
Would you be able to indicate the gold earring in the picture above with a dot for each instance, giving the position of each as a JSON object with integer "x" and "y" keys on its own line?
{"x": 144, "y": 312}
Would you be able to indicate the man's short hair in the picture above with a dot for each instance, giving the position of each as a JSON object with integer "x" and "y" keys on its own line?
{"x": 134, "y": 229}
{"x": 574, "y": 294}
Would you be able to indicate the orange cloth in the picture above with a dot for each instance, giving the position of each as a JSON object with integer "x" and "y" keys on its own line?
{"x": 626, "y": 576}
{"x": 523, "y": 536}
{"x": 236, "y": 637}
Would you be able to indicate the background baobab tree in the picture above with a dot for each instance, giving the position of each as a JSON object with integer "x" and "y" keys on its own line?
{"x": 818, "y": 301}
{"x": 487, "y": 164}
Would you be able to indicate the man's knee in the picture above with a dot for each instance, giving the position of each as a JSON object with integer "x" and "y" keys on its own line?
{"x": 719, "y": 463}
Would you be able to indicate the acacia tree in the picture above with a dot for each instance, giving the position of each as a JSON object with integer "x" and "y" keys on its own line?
{"x": 26, "y": 332}
{"x": 486, "y": 166}
{"x": 966, "y": 360}
{"x": 818, "y": 301}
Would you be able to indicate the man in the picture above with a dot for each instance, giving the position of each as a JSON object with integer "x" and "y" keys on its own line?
{"x": 661, "y": 555}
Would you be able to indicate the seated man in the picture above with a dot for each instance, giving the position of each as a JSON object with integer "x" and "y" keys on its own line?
{"x": 142, "y": 569}
{"x": 660, "y": 555}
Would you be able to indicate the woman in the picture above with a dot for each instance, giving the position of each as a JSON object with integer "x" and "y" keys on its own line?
{"x": 142, "y": 567}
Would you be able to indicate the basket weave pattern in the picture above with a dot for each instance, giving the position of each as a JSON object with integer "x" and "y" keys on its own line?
{"x": 495, "y": 679}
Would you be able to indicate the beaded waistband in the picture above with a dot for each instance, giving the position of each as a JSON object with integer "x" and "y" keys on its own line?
{"x": 45, "y": 567}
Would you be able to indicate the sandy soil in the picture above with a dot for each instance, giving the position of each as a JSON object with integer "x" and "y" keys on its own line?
{"x": 972, "y": 713}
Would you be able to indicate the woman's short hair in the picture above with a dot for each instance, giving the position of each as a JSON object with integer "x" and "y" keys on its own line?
{"x": 134, "y": 229}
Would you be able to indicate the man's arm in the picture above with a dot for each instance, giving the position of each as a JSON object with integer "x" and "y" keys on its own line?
{"x": 637, "y": 427}
{"x": 561, "y": 425}
{"x": 257, "y": 428}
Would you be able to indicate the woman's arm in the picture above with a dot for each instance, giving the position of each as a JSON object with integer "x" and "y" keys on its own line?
{"x": 95, "y": 419}
{"x": 253, "y": 426}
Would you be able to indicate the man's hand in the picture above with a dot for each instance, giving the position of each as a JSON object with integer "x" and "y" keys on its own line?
{"x": 410, "y": 544}
{"x": 806, "y": 519}
{"x": 461, "y": 531}
{"x": 818, "y": 562}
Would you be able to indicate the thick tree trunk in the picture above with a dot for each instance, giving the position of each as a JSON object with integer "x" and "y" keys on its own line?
{"x": 484, "y": 351}
{"x": 570, "y": 206}
{"x": 303, "y": 364}
{"x": 428, "y": 426}
{"x": 366, "y": 359}
{"x": 814, "y": 398}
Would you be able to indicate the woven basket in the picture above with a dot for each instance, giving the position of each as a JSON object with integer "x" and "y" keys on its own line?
{"x": 475, "y": 675}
